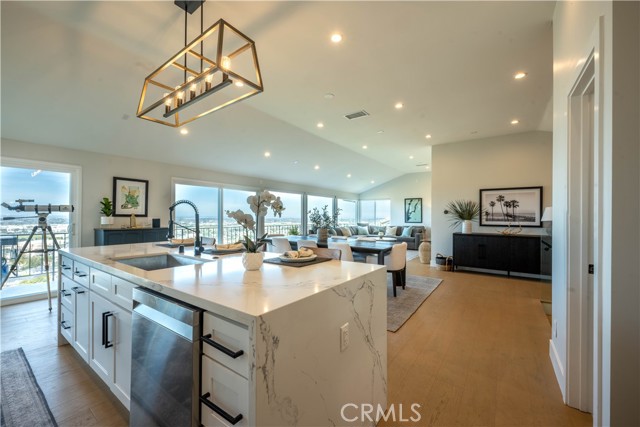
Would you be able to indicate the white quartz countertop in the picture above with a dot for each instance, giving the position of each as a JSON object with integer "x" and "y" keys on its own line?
{"x": 223, "y": 282}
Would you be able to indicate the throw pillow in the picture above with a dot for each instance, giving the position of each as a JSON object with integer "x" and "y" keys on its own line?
{"x": 390, "y": 231}
{"x": 362, "y": 231}
{"x": 345, "y": 231}
{"x": 407, "y": 231}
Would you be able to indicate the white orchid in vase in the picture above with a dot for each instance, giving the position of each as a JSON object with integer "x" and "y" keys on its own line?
{"x": 260, "y": 205}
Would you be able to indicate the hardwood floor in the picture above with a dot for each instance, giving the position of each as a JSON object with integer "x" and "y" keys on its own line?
{"x": 76, "y": 396}
{"x": 475, "y": 353}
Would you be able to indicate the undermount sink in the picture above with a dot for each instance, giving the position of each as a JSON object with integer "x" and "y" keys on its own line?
{"x": 159, "y": 262}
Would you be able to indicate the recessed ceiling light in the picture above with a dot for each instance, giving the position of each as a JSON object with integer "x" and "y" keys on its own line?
{"x": 295, "y": 162}
{"x": 184, "y": 131}
{"x": 320, "y": 125}
{"x": 380, "y": 131}
{"x": 399, "y": 105}
{"x": 348, "y": 175}
{"x": 364, "y": 147}
{"x": 428, "y": 136}
{"x": 336, "y": 37}
{"x": 316, "y": 167}
{"x": 239, "y": 83}
{"x": 427, "y": 167}
{"x": 329, "y": 95}
{"x": 267, "y": 154}
{"x": 411, "y": 157}
{"x": 520, "y": 75}
{"x": 515, "y": 121}
{"x": 373, "y": 182}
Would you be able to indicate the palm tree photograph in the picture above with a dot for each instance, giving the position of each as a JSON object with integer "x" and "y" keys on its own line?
{"x": 511, "y": 206}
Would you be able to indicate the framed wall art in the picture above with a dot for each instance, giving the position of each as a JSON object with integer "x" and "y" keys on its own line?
{"x": 413, "y": 210}
{"x": 130, "y": 196}
{"x": 511, "y": 206}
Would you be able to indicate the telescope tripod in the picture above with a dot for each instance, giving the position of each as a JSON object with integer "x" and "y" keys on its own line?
{"x": 43, "y": 226}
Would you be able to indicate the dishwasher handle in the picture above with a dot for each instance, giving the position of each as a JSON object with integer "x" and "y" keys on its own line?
{"x": 218, "y": 346}
{"x": 218, "y": 410}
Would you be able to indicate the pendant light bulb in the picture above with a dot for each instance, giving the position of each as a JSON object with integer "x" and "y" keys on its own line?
{"x": 225, "y": 63}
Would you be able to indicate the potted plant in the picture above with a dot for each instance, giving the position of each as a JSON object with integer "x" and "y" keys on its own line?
{"x": 259, "y": 204}
{"x": 294, "y": 231}
{"x": 106, "y": 209}
{"x": 322, "y": 221}
{"x": 463, "y": 212}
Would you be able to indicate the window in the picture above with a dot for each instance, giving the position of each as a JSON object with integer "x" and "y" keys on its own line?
{"x": 347, "y": 213}
{"x": 206, "y": 199}
{"x": 375, "y": 212}
{"x": 291, "y": 220}
{"x": 318, "y": 202}
{"x": 233, "y": 200}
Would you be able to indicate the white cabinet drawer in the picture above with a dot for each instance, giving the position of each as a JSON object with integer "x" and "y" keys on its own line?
{"x": 66, "y": 293}
{"x": 230, "y": 335}
{"x": 66, "y": 266}
{"x": 227, "y": 390}
{"x": 100, "y": 283}
{"x": 66, "y": 323}
{"x": 122, "y": 292}
{"x": 81, "y": 273}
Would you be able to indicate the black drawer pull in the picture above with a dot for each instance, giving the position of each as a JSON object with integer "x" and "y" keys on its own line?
{"x": 64, "y": 325}
{"x": 75, "y": 289}
{"x": 225, "y": 350}
{"x": 218, "y": 410}
{"x": 105, "y": 328}
{"x": 65, "y": 267}
{"x": 64, "y": 293}
{"x": 80, "y": 274}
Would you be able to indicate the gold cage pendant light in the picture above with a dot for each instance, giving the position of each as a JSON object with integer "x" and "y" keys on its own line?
{"x": 223, "y": 71}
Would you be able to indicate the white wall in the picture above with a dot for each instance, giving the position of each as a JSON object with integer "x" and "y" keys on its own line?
{"x": 98, "y": 171}
{"x": 460, "y": 170}
{"x": 574, "y": 23}
{"x": 407, "y": 186}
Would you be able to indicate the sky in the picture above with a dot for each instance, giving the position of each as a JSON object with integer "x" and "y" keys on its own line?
{"x": 44, "y": 187}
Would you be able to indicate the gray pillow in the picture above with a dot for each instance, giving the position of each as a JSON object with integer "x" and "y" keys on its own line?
{"x": 362, "y": 231}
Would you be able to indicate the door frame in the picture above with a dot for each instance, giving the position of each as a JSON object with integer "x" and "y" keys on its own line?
{"x": 584, "y": 322}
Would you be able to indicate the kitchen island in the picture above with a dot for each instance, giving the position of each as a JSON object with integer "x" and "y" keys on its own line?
{"x": 298, "y": 365}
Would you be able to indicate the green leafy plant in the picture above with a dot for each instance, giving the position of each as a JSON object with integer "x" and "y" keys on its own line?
{"x": 106, "y": 208}
{"x": 462, "y": 210}
{"x": 323, "y": 219}
{"x": 294, "y": 230}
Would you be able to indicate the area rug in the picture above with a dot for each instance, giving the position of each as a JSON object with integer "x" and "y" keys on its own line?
{"x": 23, "y": 403}
{"x": 402, "y": 307}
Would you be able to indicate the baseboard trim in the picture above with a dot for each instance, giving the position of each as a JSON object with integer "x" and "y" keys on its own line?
{"x": 558, "y": 369}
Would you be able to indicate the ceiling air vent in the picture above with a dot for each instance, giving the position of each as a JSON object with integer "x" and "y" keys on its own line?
{"x": 356, "y": 115}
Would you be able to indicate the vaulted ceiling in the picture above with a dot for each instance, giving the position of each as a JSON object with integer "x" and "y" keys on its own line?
{"x": 72, "y": 73}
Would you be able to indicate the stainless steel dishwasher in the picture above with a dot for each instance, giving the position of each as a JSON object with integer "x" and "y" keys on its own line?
{"x": 165, "y": 361}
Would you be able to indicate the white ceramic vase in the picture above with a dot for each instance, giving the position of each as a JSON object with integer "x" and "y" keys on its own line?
{"x": 467, "y": 227}
{"x": 252, "y": 260}
{"x": 106, "y": 220}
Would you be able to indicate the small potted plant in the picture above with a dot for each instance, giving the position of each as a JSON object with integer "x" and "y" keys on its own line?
{"x": 106, "y": 209}
{"x": 322, "y": 221}
{"x": 294, "y": 231}
{"x": 463, "y": 212}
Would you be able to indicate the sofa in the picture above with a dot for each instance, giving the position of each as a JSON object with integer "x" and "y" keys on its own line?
{"x": 412, "y": 234}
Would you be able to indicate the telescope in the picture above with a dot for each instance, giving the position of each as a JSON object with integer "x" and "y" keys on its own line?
{"x": 38, "y": 209}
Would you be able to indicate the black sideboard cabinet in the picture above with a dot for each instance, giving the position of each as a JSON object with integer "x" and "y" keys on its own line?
{"x": 519, "y": 253}
{"x": 120, "y": 236}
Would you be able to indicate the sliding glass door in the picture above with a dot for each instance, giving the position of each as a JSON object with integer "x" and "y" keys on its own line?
{"x": 36, "y": 183}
